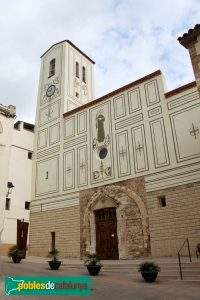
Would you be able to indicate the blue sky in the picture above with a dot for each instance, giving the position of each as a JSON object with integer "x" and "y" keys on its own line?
{"x": 127, "y": 39}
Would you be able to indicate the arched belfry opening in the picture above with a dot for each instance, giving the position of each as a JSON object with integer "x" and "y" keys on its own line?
{"x": 114, "y": 222}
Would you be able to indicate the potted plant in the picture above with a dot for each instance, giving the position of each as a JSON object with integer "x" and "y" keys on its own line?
{"x": 93, "y": 264}
{"x": 54, "y": 263}
{"x": 149, "y": 271}
{"x": 16, "y": 254}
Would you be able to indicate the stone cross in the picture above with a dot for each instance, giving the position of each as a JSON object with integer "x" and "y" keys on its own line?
{"x": 82, "y": 166}
{"x": 194, "y": 131}
{"x": 122, "y": 153}
{"x": 139, "y": 148}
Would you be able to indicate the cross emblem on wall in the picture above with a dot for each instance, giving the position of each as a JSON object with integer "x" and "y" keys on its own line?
{"x": 82, "y": 166}
{"x": 194, "y": 131}
{"x": 50, "y": 111}
{"x": 122, "y": 153}
{"x": 68, "y": 170}
{"x": 139, "y": 148}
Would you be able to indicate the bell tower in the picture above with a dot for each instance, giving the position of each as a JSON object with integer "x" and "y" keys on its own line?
{"x": 66, "y": 82}
{"x": 66, "y": 72}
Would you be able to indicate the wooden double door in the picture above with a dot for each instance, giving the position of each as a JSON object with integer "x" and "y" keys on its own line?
{"x": 106, "y": 233}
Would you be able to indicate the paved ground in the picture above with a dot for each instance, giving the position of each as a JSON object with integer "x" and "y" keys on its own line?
{"x": 109, "y": 285}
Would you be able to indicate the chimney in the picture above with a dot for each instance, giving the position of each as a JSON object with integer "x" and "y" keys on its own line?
{"x": 191, "y": 41}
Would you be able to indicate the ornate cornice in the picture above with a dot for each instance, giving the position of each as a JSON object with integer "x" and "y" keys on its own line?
{"x": 190, "y": 36}
{"x": 8, "y": 111}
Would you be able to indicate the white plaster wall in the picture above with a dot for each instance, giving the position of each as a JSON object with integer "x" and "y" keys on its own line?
{"x": 139, "y": 134}
{"x": 23, "y": 138}
{"x": 74, "y": 84}
{"x": 161, "y": 126}
{"x": 20, "y": 170}
{"x": 5, "y": 145}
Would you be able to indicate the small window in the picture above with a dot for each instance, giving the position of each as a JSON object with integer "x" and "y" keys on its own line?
{"x": 30, "y": 155}
{"x": 162, "y": 201}
{"x": 52, "y": 67}
{"x": 7, "y": 204}
{"x": 77, "y": 95}
{"x": 83, "y": 74}
{"x": 77, "y": 69}
{"x": 27, "y": 205}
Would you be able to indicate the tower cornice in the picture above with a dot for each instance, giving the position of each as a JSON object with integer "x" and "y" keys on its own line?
{"x": 71, "y": 44}
{"x": 190, "y": 36}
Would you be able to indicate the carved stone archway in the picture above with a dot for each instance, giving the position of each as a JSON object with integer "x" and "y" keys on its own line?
{"x": 132, "y": 220}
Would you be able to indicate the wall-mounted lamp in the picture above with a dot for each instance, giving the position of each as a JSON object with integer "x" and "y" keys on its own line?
{"x": 10, "y": 186}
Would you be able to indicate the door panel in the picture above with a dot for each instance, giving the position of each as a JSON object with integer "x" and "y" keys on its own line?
{"x": 22, "y": 234}
{"x": 106, "y": 233}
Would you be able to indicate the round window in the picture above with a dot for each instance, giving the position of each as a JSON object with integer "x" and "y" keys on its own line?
{"x": 103, "y": 152}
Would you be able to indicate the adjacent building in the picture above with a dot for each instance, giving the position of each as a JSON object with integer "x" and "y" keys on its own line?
{"x": 119, "y": 175}
{"x": 7, "y": 117}
{"x": 16, "y": 150}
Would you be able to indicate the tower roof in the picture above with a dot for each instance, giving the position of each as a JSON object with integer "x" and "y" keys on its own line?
{"x": 190, "y": 36}
{"x": 71, "y": 44}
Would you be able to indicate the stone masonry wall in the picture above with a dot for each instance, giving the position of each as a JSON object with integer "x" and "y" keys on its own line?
{"x": 171, "y": 225}
{"x": 66, "y": 224}
{"x": 195, "y": 59}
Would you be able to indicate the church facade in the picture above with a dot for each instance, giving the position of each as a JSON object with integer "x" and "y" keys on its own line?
{"x": 119, "y": 175}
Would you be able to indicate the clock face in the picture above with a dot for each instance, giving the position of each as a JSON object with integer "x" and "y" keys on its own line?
{"x": 51, "y": 90}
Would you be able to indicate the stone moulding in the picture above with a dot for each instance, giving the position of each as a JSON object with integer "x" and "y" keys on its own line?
{"x": 115, "y": 195}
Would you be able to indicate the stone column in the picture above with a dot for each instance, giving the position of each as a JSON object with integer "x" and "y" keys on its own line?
{"x": 191, "y": 41}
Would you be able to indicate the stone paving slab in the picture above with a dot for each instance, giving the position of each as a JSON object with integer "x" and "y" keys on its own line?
{"x": 163, "y": 260}
{"x": 108, "y": 285}
{"x": 123, "y": 288}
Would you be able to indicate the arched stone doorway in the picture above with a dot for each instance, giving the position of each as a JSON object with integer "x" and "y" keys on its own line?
{"x": 131, "y": 214}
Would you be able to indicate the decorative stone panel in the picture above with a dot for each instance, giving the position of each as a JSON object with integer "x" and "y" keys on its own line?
{"x": 129, "y": 198}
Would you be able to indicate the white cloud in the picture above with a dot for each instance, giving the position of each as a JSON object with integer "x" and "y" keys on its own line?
{"x": 127, "y": 39}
